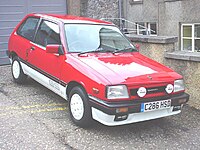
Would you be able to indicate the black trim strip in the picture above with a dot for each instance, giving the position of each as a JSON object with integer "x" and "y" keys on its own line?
{"x": 151, "y": 90}
{"x": 134, "y": 106}
{"x": 44, "y": 73}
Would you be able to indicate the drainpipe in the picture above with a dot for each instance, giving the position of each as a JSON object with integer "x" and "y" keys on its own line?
{"x": 120, "y": 13}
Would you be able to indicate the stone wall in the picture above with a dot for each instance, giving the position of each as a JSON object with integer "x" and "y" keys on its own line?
{"x": 99, "y": 8}
{"x": 141, "y": 12}
{"x": 157, "y": 47}
{"x": 73, "y": 7}
{"x": 172, "y": 13}
{"x": 191, "y": 73}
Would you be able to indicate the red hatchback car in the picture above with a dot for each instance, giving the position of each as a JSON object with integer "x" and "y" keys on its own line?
{"x": 91, "y": 64}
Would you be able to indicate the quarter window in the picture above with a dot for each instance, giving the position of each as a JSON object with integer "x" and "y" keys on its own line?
{"x": 190, "y": 37}
{"x": 28, "y": 27}
{"x": 48, "y": 33}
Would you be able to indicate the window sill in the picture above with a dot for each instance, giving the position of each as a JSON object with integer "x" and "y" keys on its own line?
{"x": 182, "y": 55}
{"x": 171, "y": 0}
{"x": 131, "y": 2}
{"x": 152, "y": 39}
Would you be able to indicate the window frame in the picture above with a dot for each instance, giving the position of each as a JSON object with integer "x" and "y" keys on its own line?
{"x": 139, "y": 26}
{"x": 39, "y": 25}
{"x": 193, "y": 38}
{"x": 147, "y": 27}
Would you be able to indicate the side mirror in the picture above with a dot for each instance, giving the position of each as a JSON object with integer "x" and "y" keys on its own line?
{"x": 51, "y": 48}
{"x": 137, "y": 46}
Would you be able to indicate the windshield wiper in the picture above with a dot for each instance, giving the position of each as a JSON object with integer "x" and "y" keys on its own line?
{"x": 107, "y": 50}
{"x": 95, "y": 51}
{"x": 124, "y": 50}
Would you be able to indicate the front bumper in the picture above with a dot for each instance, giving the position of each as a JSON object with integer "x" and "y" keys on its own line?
{"x": 106, "y": 112}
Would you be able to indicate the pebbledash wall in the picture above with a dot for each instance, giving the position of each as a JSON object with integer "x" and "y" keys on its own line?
{"x": 99, "y": 8}
{"x": 93, "y": 8}
{"x": 160, "y": 48}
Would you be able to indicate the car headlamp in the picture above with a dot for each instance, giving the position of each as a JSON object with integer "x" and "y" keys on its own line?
{"x": 117, "y": 91}
{"x": 179, "y": 86}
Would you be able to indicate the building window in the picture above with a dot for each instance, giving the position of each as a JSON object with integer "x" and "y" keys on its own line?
{"x": 190, "y": 37}
{"x": 149, "y": 28}
{"x": 141, "y": 29}
{"x": 152, "y": 27}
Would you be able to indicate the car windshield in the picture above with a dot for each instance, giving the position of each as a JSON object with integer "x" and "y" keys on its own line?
{"x": 83, "y": 38}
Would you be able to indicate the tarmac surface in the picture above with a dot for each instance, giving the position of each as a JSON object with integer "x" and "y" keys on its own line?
{"x": 32, "y": 117}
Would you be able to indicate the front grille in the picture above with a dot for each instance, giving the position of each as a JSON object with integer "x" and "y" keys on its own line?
{"x": 151, "y": 90}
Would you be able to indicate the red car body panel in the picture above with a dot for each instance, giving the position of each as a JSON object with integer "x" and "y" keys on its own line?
{"x": 125, "y": 68}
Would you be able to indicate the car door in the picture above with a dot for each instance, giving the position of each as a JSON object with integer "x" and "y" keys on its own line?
{"x": 24, "y": 35}
{"x": 46, "y": 65}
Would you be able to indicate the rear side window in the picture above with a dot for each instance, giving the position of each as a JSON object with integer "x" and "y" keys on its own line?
{"x": 28, "y": 27}
{"x": 48, "y": 33}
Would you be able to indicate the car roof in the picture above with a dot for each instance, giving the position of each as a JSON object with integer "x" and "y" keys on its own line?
{"x": 72, "y": 19}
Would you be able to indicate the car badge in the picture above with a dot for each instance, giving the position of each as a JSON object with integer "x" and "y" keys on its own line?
{"x": 149, "y": 77}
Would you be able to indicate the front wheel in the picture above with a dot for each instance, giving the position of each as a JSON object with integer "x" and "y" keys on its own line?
{"x": 17, "y": 72}
{"x": 80, "y": 111}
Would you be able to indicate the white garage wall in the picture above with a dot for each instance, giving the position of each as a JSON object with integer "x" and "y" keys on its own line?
{"x": 12, "y": 11}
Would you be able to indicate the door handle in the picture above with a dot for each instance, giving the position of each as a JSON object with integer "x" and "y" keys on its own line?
{"x": 32, "y": 48}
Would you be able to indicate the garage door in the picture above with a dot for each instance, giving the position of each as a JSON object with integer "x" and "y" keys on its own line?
{"x": 12, "y": 11}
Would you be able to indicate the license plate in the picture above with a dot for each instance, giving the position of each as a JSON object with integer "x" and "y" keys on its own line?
{"x": 151, "y": 106}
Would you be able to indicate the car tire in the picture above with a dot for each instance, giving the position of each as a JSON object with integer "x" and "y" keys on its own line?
{"x": 17, "y": 72}
{"x": 80, "y": 111}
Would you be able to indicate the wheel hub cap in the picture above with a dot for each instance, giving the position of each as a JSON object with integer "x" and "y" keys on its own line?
{"x": 16, "y": 69}
{"x": 77, "y": 107}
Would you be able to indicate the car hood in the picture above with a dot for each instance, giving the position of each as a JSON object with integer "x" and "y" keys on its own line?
{"x": 127, "y": 68}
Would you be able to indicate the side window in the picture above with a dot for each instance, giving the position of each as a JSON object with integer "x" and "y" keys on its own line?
{"x": 28, "y": 27}
{"x": 48, "y": 33}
